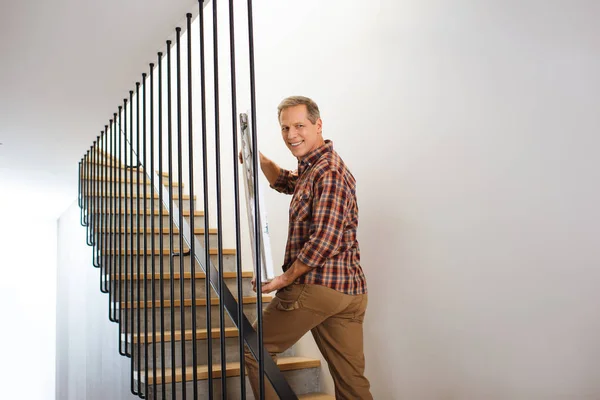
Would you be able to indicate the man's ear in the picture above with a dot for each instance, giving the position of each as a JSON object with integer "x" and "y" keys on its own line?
{"x": 319, "y": 126}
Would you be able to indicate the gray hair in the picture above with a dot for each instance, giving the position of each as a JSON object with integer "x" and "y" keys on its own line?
{"x": 311, "y": 107}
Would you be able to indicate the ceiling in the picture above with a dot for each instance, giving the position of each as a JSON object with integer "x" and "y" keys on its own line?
{"x": 66, "y": 66}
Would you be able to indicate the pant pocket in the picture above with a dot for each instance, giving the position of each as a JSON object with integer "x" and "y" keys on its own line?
{"x": 287, "y": 299}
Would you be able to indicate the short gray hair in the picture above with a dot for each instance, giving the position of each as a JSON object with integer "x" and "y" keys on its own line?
{"x": 311, "y": 107}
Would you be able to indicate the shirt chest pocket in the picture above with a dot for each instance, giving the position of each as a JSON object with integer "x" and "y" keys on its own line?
{"x": 301, "y": 207}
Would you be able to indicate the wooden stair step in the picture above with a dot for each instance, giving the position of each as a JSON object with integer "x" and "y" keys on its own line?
{"x": 165, "y": 231}
{"x": 154, "y": 196}
{"x": 201, "y": 334}
{"x": 118, "y": 165}
{"x": 316, "y": 396}
{"x": 232, "y": 369}
{"x": 188, "y": 302}
{"x": 134, "y": 181}
{"x": 165, "y": 252}
{"x": 186, "y": 275}
{"x": 148, "y": 212}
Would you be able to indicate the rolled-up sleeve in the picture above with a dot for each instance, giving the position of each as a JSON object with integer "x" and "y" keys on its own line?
{"x": 286, "y": 181}
{"x": 327, "y": 223}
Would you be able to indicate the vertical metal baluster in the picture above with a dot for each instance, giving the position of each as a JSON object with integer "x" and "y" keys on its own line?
{"x": 86, "y": 193}
{"x": 84, "y": 180}
{"x": 171, "y": 242}
{"x": 134, "y": 212}
{"x": 259, "y": 327}
{"x": 113, "y": 210}
{"x": 138, "y": 229}
{"x": 152, "y": 225}
{"x": 92, "y": 217}
{"x": 79, "y": 191}
{"x": 103, "y": 208}
{"x": 206, "y": 211}
{"x": 109, "y": 227}
{"x": 192, "y": 207}
{"x": 125, "y": 251}
{"x": 87, "y": 196}
{"x": 180, "y": 195}
{"x": 96, "y": 202}
{"x": 236, "y": 198}
{"x": 161, "y": 244}
{"x": 218, "y": 201}
{"x": 145, "y": 230}
{"x": 122, "y": 231}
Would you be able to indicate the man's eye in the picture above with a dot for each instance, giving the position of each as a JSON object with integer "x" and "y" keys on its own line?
{"x": 300, "y": 126}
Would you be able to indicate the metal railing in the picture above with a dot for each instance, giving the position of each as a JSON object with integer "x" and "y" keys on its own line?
{"x": 120, "y": 212}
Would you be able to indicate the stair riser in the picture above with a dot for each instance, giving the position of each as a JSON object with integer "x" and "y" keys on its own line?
{"x": 132, "y": 240}
{"x": 249, "y": 310}
{"x": 302, "y": 382}
{"x": 231, "y": 353}
{"x": 231, "y": 283}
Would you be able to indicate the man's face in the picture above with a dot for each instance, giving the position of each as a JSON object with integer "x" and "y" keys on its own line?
{"x": 300, "y": 135}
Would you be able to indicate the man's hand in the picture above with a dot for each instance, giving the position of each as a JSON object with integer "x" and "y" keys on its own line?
{"x": 297, "y": 269}
{"x": 279, "y": 282}
{"x": 263, "y": 159}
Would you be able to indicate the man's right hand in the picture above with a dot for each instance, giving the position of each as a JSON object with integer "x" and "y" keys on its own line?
{"x": 263, "y": 159}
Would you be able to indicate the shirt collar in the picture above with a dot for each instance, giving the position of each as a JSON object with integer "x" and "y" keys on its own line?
{"x": 311, "y": 158}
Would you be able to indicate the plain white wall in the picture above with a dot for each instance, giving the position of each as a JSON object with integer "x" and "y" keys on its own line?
{"x": 87, "y": 348}
{"x": 471, "y": 128}
{"x": 28, "y": 295}
{"x": 28, "y": 242}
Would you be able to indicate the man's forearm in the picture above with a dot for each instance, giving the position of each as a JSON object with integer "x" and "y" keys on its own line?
{"x": 297, "y": 269}
{"x": 270, "y": 169}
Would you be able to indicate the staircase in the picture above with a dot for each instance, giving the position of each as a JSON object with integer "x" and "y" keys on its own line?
{"x": 144, "y": 300}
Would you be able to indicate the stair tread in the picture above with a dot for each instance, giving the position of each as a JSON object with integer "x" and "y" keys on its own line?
{"x": 165, "y": 231}
{"x": 154, "y": 196}
{"x": 232, "y": 369}
{"x": 166, "y": 252}
{"x": 187, "y": 275}
{"x": 316, "y": 396}
{"x": 201, "y": 334}
{"x": 188, "y": 302}
{"x": 107, "y": 179}
{"x": 148, "y": 212}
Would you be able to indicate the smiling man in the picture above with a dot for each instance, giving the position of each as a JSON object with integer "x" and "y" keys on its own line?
{"x": 323, "y": 288}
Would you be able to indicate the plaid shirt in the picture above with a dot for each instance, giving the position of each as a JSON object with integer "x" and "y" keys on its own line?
{"x": 323, "y": 221}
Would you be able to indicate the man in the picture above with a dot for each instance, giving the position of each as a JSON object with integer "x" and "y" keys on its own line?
{"x": 323, "y": 288}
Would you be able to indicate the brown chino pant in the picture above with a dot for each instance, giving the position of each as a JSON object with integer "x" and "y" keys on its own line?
{"x": 336, "y": 322}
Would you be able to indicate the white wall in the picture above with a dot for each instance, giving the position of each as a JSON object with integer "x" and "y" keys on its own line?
{"x": 27, "y": 294}
{"x": 87, "y": 348}
{"x": 471, "y": 128}
{"x": 28, "y": 233}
